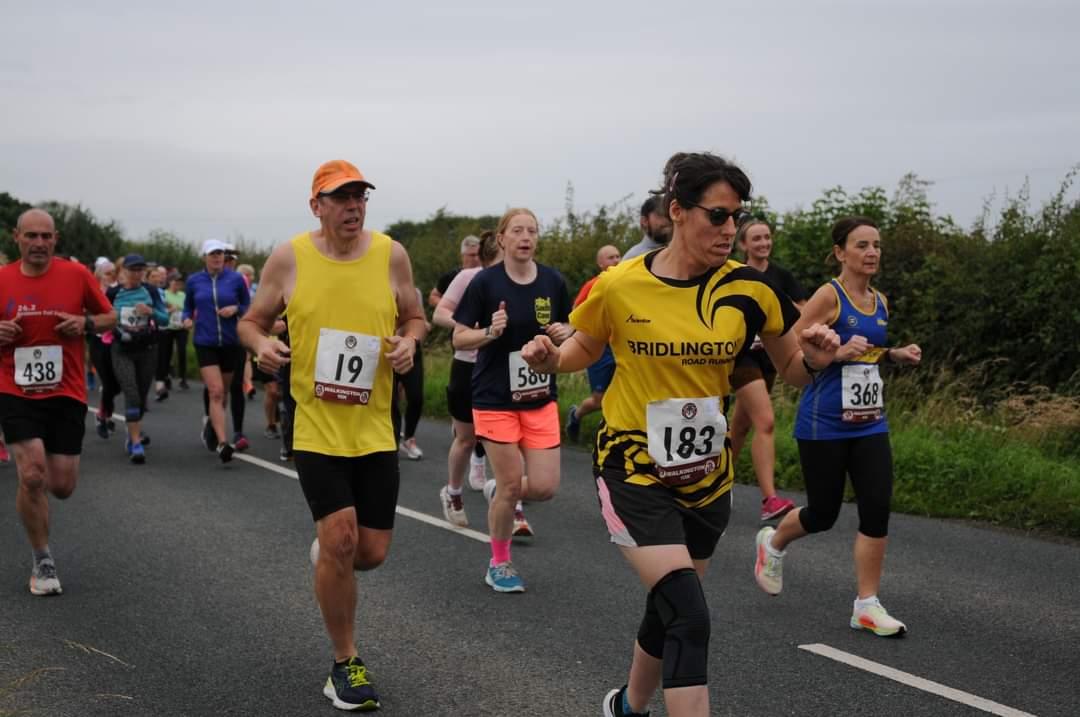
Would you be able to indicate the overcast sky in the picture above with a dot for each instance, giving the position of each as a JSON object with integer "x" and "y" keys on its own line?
{"x": 209, "y": 118}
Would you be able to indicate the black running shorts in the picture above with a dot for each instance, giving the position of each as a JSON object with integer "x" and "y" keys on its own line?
{"x": 229, "y": 358}
{"x": 459, "y": 391}
{"x": 60, "y": 422}
{"x": 367, "y": 483}
{"x": 640, "y": 515}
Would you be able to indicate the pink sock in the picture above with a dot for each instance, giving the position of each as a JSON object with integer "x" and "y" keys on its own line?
{"x": 500, "y": 551}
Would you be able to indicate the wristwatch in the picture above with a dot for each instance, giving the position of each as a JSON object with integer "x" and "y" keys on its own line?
{"x": 487, "y": 332}
{"x": 88, "y": 327}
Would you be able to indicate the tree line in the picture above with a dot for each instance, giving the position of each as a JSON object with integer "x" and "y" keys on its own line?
{"x": 993, "y": 303}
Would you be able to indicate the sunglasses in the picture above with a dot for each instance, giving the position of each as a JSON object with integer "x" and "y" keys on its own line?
{"x": 718, "y": 216}
{"x": 343, "y": 197}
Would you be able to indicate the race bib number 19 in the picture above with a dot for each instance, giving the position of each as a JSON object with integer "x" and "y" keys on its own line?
{"x": 38, "y": 368}
{"x": 686, "y": 438}
{"x": 345, "y": 364}
{"x": 862, "y": 398}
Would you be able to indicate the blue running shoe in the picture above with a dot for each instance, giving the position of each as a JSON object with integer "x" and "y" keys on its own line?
{"x": 504, "y": 578}
{"x": 615, "y": 705}
{"x": 573, "y": 425}
{"x": 127, "y": 447}
{"x": 348, "y": 687}
{"x": 137, "y": 454}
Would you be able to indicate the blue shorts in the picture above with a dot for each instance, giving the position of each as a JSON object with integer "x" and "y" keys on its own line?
{"x": 601, "y": 372}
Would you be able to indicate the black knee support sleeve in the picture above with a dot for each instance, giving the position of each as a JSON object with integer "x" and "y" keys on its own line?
{"x": 818, "y": 521}
{"x": 680, "y": 604}
{"x": 650, "y": 635}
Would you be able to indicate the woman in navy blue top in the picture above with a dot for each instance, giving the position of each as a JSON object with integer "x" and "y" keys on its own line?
{"x": 841, "y": 427}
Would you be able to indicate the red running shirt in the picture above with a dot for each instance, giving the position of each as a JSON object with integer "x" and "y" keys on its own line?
{"x": 66, "y": 286}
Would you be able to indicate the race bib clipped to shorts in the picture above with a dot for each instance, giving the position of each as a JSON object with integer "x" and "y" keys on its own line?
{"x": 38, "y": 368}
{"x": 345, "y": 364}
{"x": 526, "y": 384}
{"x": 686, "y": 438}
{"x": 862, "y": 398}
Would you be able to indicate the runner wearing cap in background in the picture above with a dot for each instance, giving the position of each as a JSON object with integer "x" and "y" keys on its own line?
{"x": 213, "y": 302}
{"x": 139, "y": 310}
{"x": 346, "y": 292}
{"x": 47, "y": 305}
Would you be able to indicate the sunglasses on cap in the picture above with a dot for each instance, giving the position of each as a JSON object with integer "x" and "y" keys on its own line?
{"x": 718, "y": 216}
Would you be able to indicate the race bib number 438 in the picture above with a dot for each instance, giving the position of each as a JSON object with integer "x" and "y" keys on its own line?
{"x": 345, "y": 364}
{"x": 686, "y": 438}
{"x": 38, "y": 367}
{"x": 862, "y": 398}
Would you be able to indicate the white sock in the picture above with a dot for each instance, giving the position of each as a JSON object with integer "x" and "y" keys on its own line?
{"x": 452, "y": 490}
{"x": 773, "y": 551}
{"x": 861, "y": 603}
{"x": 517, "y": 506}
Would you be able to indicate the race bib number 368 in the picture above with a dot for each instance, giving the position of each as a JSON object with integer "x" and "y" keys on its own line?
{"x": 862, "y": 398}
{"x": 686, "y": 438}
{"x": 345, "y": 364}
{"x": 38, "y": 368}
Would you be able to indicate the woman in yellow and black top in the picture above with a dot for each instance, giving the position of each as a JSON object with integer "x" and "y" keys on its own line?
{"x": 676, "y": 319}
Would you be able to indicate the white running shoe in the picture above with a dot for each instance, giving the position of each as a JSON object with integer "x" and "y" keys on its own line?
{"x": 874, "y": 618}
{"x": 477, "y": 471}
{"x": 454, "y": 515}
{"x": 489, "y": 490}
{"x": 769, "y": 567}
{"x": 412, "y": 451}
{"x": 43, "y": 580}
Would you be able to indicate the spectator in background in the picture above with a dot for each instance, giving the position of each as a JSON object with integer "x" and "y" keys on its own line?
{"x": 470, "y": 259}
{"x": 654, "y": 225}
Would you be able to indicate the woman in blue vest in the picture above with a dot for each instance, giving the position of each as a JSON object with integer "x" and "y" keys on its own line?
{"x": 841, "y": 427}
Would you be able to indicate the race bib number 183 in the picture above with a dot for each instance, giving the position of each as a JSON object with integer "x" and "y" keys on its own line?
{"x": 345, "y": 364}
{"x": 686, "y": 438}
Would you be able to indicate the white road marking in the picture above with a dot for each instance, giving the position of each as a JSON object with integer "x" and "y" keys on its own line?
{"x": 407, "y": 512}
{"x": 906, "y": 678}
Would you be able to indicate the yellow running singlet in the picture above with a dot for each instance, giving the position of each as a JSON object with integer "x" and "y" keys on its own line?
{"x": 675, "y": 344}
{"x": 340, "y": 315}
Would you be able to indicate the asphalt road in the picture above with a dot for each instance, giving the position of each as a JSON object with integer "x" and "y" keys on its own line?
{"x": 187, "y": 591}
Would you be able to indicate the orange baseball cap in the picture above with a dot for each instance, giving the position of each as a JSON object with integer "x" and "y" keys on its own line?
{"x": 333, "y": 174}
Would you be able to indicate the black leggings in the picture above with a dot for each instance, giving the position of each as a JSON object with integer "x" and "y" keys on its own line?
{"x": 101, "y": 357}
{"x": 413, "y": 383}
{"x": 135, "y": 373}
{"x": 868, "y": 460}
{"x": 166, "y": 340}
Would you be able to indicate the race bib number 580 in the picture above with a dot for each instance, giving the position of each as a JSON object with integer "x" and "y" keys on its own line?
{"x": 345, "y": 364}
{"x": 38, "y": 367}
{"x": 686, "y": 438}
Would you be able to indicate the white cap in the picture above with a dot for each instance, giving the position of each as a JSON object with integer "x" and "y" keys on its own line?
{"x": 100, "y": 261}
{"x": 212, "y": 245}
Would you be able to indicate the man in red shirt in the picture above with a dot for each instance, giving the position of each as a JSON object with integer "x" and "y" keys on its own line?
{"x": 47, "y": 305}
